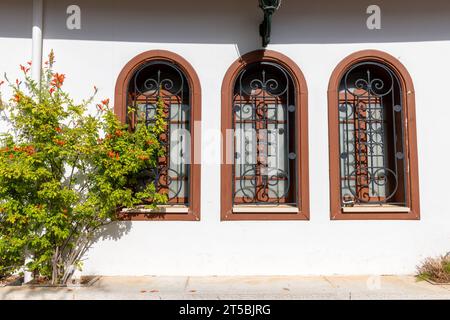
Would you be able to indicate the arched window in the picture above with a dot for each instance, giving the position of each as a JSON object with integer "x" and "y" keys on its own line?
{"x": 372, "y": 139}
{"x": 264, "y": 121}
{"x": 160, "y": 77}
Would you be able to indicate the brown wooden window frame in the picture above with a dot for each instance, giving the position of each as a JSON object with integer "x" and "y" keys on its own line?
{"x": 120, "y": 107}
{"x": 301, "y": 100}
{"x": 409, "y": 125}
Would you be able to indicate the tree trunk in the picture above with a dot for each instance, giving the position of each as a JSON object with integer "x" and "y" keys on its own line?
{"x": 55, "y": 270}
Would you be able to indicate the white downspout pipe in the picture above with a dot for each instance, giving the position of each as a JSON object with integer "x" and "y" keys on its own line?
{"x": 38, "y": 17}
{"x": 36, "y": 67}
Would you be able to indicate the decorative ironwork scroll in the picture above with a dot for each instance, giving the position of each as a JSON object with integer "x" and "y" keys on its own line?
{"x": 264, "y": 144}
{"x": 164, "y": 80}
{"x": 371, "y": 129}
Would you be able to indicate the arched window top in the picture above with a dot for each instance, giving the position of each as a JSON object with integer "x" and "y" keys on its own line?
{"x": 373, "y": 152}
{"x": 155, "y": 80}
{"x": 263, "y": 77}
{"x": 159, "y": 77}
{"x": 372, "y": 78}
{"x": 266, "y": 57}
{"x": 154, "y": 57}
{"x": 375, "y": 57}
{"x": 149, "y": 79}
{"x": 265, "y": 160}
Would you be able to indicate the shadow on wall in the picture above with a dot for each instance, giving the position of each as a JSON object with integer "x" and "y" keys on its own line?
{"x": 113, "y": 231}
{"x": 233, "y": 21}
{"x": 119, "y": 228}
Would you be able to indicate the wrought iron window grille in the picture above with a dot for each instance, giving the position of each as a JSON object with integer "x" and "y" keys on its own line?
{"x": 371, "y": 136}
{"x": 164, "y": 80}
{"x": 264, "y": 124}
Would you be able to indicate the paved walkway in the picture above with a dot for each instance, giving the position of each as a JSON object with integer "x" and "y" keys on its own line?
{"x": 332, "y": 287}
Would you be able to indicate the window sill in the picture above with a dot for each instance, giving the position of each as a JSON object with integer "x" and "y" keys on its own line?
{"x": 265, "y": 209}
{"x": 376, "y": 209}
{"x": 161, "y": 213}
{"x": 159, "y": 209}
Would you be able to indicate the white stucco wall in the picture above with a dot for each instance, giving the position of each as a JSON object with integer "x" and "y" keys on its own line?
{"x": 15, "y": 39}
{"x": 211, "y": 35}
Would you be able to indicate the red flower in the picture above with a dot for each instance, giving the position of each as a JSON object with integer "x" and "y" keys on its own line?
{"x": 100, "y": 107}
{"x": 51, "y": 90}
{"x": 60, "y": 142}
{"x": 29, "y": 63}
{"x": 30, "y": 150}
{"x": 11, "y": 156}
{"x": 18, "y": 82}
{"x": 119, "y": 133}
{"x": 2, "y": 82}
{"x": 58, "y": 80}
{"x": 16, "y": 98}
{"x": 111, "y": 154}
{"x": 105, "y": 102}
{"x": 58, "y": 129}
{"x": 24, "y": 69}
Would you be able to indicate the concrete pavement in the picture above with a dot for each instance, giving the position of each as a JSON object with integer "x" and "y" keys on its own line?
{"x": 271, "y": 287}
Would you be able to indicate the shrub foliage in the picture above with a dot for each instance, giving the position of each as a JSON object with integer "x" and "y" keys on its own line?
{"x": 64, "y": 173}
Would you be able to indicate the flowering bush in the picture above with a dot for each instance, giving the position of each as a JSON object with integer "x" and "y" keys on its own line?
{"x": 64, "y": 173}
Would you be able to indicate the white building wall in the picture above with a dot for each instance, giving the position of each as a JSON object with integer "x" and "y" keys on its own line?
{"x": 15, "y": 39}
{"x": 211, "y": 35}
